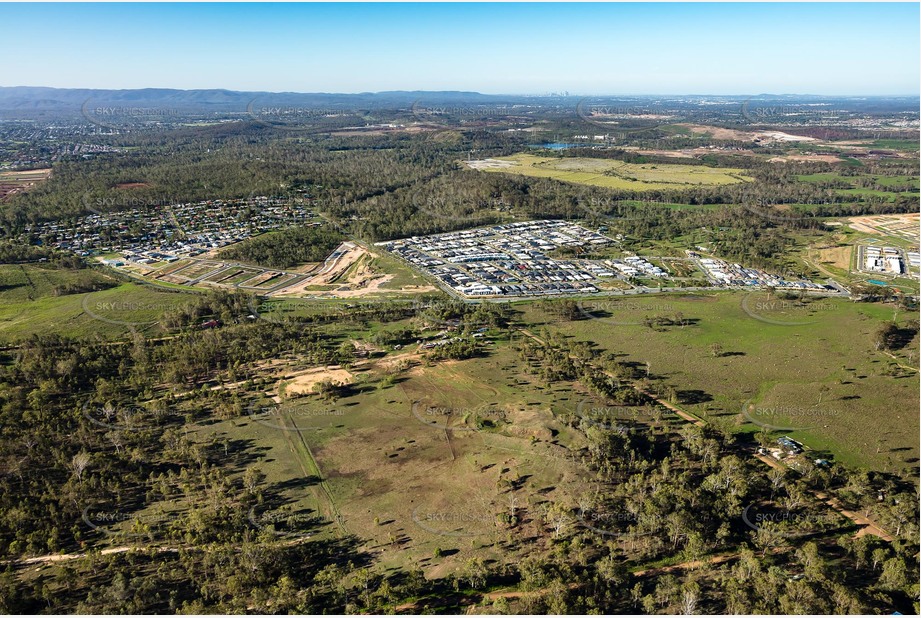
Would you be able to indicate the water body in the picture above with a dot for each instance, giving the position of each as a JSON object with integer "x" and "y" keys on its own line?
{"x": 875, "y": 282}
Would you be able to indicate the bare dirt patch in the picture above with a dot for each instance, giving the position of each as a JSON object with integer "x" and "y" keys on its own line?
{"x": 903, "y": 226}
{"x": 304, "y": 382}
{"x": 341, "y": 264}
{"x": 839, "y": 257}
{"x": 820, "y": 158}
{"x": 360, "y": 281}
{"x": 689, "y": 153}
{"x": 721, "y": 133}
{"x": 485, "y": 164}
{"x": 747, "y": 136}
{"x": 780, "y": 136}
{"x": 331, "y": 269}
{"x": 13, "y": 182}
{"x": 392, "y": 361}
{"x": 308, "y": 268}
{"x": 349, "y": 131}
{"x": 861, "y": 226}
{"x": 131, "y": 185}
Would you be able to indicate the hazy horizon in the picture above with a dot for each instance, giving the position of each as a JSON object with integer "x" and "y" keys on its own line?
{"x": 495, "y": 94}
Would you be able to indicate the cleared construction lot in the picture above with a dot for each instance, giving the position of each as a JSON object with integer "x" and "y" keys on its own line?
{"x": 349, "y": 271}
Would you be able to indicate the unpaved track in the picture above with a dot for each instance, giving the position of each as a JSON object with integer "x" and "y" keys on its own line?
{"x": 53, "y": 558}
{"x": 868, "y": 525}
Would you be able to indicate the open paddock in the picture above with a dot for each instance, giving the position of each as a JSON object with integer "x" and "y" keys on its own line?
{"x": 813, "y": 365}
{"x": 612, "y": 174}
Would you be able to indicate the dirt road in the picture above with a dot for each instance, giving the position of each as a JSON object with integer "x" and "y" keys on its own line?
{"x": 868, "y": 525}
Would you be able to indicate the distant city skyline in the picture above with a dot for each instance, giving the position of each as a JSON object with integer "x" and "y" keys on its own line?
{"x": 845, "y": 49}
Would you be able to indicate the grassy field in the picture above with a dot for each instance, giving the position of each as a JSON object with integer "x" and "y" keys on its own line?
{"x": 614, "y": 174}
{"x": 891, "y": 184}
{"x": 31, "y": 303}
{"x": 418, "y": 487}
{"x": 243, "y": 275}
{"x": 885, "y": 181}
{"x": 422, "y": 461}
{"x": 863, "y": 192}
{"x": 814, "y": 368}
{"x": 403, "y": 275}
{"x": 195, "y": 270}
{"x": 895, "y": 144}
{"x": 421, "y": 487}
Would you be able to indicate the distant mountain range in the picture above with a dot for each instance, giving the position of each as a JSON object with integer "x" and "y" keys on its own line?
{"x": 29, "y": 100}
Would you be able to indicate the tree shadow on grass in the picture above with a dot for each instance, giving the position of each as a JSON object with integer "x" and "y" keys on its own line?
{"x": 693, "y": 396}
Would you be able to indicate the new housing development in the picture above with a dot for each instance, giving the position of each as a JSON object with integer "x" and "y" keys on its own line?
{"x": 516, "y": 260}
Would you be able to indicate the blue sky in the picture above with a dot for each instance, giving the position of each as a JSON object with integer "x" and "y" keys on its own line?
{"x": 850, "y": 49}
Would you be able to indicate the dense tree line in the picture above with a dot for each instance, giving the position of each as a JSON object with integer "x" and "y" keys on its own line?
{"x": 399, "y": 185}
{"x": 287, "y": 248}
{"x": 12, "y": 252}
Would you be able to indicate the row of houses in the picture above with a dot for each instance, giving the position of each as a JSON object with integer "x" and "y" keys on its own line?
{"x": 722, "y": 273}
{"x": 149, "y": 234}
{"x": 507, "y": 259}
{"x": 636, "y": 267}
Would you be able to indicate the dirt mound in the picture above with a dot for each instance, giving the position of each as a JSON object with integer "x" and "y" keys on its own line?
{"x": 303, "y": 383}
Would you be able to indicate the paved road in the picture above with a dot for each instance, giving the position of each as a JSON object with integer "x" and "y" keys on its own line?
{"x": 842, "y": 293}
